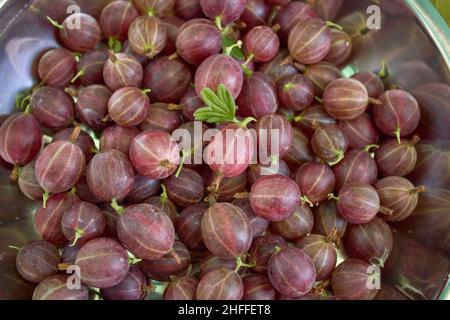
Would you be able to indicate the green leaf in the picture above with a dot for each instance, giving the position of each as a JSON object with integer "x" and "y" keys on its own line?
{"x": 213, "y": 101}
{"x": 210, "y": 116}
{"x": 236, "y": 53}
{"x": 220, "y": 107}
{"x": 227, "y": 97}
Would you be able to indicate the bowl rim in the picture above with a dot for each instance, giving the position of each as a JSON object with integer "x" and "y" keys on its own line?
{"x": 434, "y": 23}
{"x": 439, "y": 32}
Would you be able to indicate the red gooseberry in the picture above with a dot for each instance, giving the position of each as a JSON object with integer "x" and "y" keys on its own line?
{"x": 154, "y": 154}
{"x": 226, "y": 231}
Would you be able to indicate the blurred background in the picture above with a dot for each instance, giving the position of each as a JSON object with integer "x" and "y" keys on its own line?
{"x": 443, "y": 7}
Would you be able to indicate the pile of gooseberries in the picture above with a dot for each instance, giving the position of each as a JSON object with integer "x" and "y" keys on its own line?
{"x": 96, "y": 142}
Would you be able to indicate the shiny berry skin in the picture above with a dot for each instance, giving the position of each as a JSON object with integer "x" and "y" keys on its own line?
{"x": 128, "y": 107}
{"x": 186, "y": 189}
{"x": 256, "y": 13}
{"x": 276, "y": 69}
{"x": 358, "y": 203}
{"x": 309, "y": 41}
{"x": 84, "y": 193}
{"x": 197, "y": 40}
{"x": 145, "y": 231}
{"x": 258, "y": 287}
{"x": 396, "y": 159}
{"x": 126, "y": 48}
{"x": 92, "y": 105}
{"x": 209, "y": 262}
{"x": 122, "y": 70}
{"x": 341, "y": 47}
{"x": 230, "y": 151}
{"x": 226, "y": 231}
{"x": 291, "y": 272}
{"x": 350, "y": 279}
{"x": 275, "y": 198}
{"x": 220, "y": 284}
{"x": 167, "y": 79}
{"x": 300, "y": 151}
{"x": 228, "y": 10}
{"x": 154, "y": 154}
{"x": 116, "y": 18}
{"x": 183, "y": 288}
{"x": 117, "y": 138}
{"x": 159, "y": 8}
{"x": 262, "y": 250}
{"x": 110, "y": 175}
{"x": 329, "y": 143}
{"x": 398, "y": 114}
{"x": 296, "y": 226}
{"x": 360, "y": 132}
{"x": 60, "y": 166}
{"x": 274, "y": 131}
{"x": 83, "y": 222}
{"x": 37, "y": 261}
{"x": 143, "y": 188}
{"x": 188, "y": 9}
{"x": 172, "y": 24}
{"x": 173, "y": 264}
{"x": 374, "y": 85}
{"x": 188, "y": 226}
{"x": 167, "y": 206}
{"x": 345, "y": 99}
{"x": 20, "y": 139}
{"x": 357, "y": 166}
{"x": 257, "y": 171}
{"x": 28, "y": 183}
{"x": 83, "y": 38}
{"x": 69, "y": 253}
{"x": 296, "y": 92}
{"x": 291, "y": 14}
{"x": 399, "y": 195}
{"x": 312, "y": 117}
{"x": 191, "y": 102}
{"x": 328, "y": 222}
{"x": 130, "y": 288}
{"x": 316, "y": 181}
{"x": 47, "y": 221}
{"x": 57, "y": 67}
{"x": 182, "y": 134}
{"x": 321, "y": 252}
{"x": 91, "y": 67}
{"x": 147, "y": 36}
{"x": 258, "y": 97}
{"x": 371, "y": 242}
{"x": 261, "y": 43}
{"x": 322, "y": 74}
{"x": 111, "y": 217}
{"x": 52, "y": 107}
{"x": 257, "y": 224}
{"x": 55, "y": 288}
{"x": 103, "y": 263}
{"x": 219, "y": 69}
